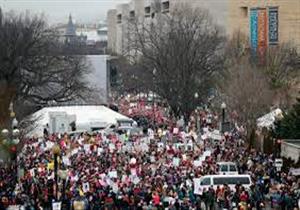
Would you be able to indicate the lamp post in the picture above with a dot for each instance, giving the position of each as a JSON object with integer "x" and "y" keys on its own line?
{"x": 223, "y": 107}
{"x": 153, "y": 99}
{"x": 56, "y": 152}
{"x": 11, "y": 134}
{"x": 63, "y": 174}
{"x": 196, "y": 96}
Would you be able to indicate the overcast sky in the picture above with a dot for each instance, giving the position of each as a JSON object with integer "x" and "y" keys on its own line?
{"x": 57, "y": 11}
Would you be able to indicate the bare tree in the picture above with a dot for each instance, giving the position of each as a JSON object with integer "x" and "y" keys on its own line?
{"x": 33, "y": 68}
{"x": 180, "y": 54}
{"x": 282, "y": 68}
{"x": 248, "y": 93}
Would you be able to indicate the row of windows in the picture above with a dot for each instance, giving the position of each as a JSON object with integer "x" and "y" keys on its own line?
{"x": 165, "y": 9}
{"x": 226, "y": 180}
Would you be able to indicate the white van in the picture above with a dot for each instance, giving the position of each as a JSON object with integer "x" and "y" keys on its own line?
{"x": 207, "y": 181}
{"x": 227, "y": 168}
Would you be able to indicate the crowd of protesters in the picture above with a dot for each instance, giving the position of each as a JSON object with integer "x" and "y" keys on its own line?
{"x": 151, "y": 170}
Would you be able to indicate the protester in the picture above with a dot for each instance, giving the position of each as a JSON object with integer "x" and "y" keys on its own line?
{"x": 141, "y": 171}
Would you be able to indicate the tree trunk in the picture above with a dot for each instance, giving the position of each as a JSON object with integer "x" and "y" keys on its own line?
{"x": 6, "y": 96}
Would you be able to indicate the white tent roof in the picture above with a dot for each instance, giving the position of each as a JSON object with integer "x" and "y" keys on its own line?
{"x": 268, "y": 120}
{"x": 84, "y": 115}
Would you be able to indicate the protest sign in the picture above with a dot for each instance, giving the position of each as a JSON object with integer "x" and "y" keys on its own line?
{"x": 175, "y": 130}
{"x": 113, "y": 174}
{"x": 87, "y": 148}
{"x": 197, "y": 189}
{"x": 56, "y": 205}
{"x": 66, "y": 160}
{"x": 176, "y": 162}
{"x": 86, "y": 187}
{"x": 197, "y": 163}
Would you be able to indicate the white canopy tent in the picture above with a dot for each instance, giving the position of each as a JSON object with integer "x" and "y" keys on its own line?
{"x": 267, "y": 121}
{"x": 85, "y": 117}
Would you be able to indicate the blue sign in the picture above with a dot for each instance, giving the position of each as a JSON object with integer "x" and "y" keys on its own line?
{"x": 253, "y": 29}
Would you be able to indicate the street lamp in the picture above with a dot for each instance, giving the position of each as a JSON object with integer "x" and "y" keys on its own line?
{"x": 196, "y": 96}
{"x": 11, "y": 134}
{"x": 63, "y": 174}
{"x": 56, "y": 153}
{"x": 153, "y": 99}
{"x": 223, "y": 107}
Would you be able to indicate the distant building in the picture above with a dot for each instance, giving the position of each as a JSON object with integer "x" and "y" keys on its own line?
{"x": 83, "y": 38}
{"x": 71, "y": 36}
{"x": 147, "y": 11}
{"x": 266, "y": 23}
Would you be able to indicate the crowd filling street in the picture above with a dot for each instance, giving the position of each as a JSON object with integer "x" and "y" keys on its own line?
{"x": 159, "y": 167}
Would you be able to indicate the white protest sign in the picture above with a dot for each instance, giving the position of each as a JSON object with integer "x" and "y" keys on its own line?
{"x": 197, "y": 186}
{"x": 176, "y": 162}
{"x": 144, "y": 147}
{"x": 197, "y": 163}
{"x": 86, "y": 187}
{"x": 99, "y": 151}
{"x": 115, "y": 188}
{"x": 113, "y": 174}
{"x": 295, "y": 171}
{"x": 175, "y": 130}
{"x": 216, "y": 135}
{"x": 189, "y": 147}
{"x": 56, "y": 205}
{"x": 49, "y": 145}
{"x": 160, "y": 145}
{"x": 152, "y": 159}
{"x": 207, "y": 154}
{"x": 66, "y": 161}
{"x": 136, "y": 180}
{"x": 133, "y": 171}
{"x": 74, "y": 151}
{"x": 87, "y": 148}
{"x": 202, "y": 158}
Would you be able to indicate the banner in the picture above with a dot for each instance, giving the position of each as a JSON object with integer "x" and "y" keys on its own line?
{"x": 273, "y": 25}
{"x": 262, "y": 33}
{"x": 253, "y": 29}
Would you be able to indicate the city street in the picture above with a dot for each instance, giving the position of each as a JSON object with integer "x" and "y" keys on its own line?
{"x": 150, "y": 105}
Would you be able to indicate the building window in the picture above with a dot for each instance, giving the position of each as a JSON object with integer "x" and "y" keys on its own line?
{"x": 153, "y": 15}
{"x": 165, "y": 6}
{"x": 244, "y": 11}
{"x": 132, "y": 14}
{"x": 119, "y": 18}
{"x": 147, "y": 11}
